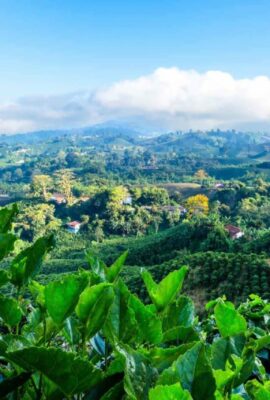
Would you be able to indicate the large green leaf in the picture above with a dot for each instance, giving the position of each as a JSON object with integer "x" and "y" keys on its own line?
{"x": 61, "y": 296}
{"x": 140, "y": 376}
{"x": 164, "y": 293}
{"x": 7, "y": 241}
{"x": 10, "y": 311}
{"x": 258, "y": 391}
{"x": 179, "y": 313}
{"x": 193, "y": 371}
{"x": 27, "y": 264}
{"x": 70, "y": 373}
{"x": 222, "y": 349}
{"x": 71, "y": 330}
{"x": 115, "y": 393}
{"x": 162, "y": 358}
{"x": 169, "y": 392}
{"x": 6, "y": 217}
{"x": 149, "y": 324}
{"x": 228, "y": 319}
{"x": 38, "y": 292}
{"x": 121, "y": 324}
{"x": 97, "y": 266}
{"x": 4, "y": 278}
{"x": 181, "y": 334}
{"x": 113, "y": 271}
{"x": 232, "y": 368}
{"x": 93, "y": 307}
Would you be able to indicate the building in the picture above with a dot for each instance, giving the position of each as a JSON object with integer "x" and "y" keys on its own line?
{"x": 234, "y": 231}
{"x": 173, "y": 209}
{"x": 73, "y": 226}
{"x": 219, "y": 185}
{"x": 58, "y": 198}
{"x": 127, "y": 201}
{"x": 84, "y": 198}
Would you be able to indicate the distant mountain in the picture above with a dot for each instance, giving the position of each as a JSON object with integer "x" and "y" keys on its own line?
{"x": 100, "y": 130}
{"x": 214, "y": 143}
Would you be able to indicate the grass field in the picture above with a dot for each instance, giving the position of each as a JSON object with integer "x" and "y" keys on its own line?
{"x": 186, "y": 189}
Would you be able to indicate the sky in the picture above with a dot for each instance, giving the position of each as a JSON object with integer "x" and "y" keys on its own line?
{"x": 173, "y": 64}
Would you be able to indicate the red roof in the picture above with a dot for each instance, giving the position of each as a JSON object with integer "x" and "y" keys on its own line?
{"x": 58, "y": 196}
{"x": 233, "y": 230}
{"x": 73, "y": 224}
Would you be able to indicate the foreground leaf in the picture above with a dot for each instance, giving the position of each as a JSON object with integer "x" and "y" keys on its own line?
{"x": 70, "y": 373}
{"x": 148, "y": 322}
{"x": 6, "y": 217}
{"x": 193, "y": 371}
{"x": 121, "y": 324}
{"x": 228, "y": 319}
{"x": 258, "y": 391}
{"x": 140, "y": 376}
{"x": 28, "y": 263}
{"x": 93, "y": 307}
{"x": 113, "y": 271}
{"x": 164, "y": 293}
{"x": 10, "y": 311}
{"x": 3, "y": 277}
{"x": 61, "y": 297}
{"x": 169, "y": 392}
{"x": 7, "y": 241}
{"x": 179, "y": 313}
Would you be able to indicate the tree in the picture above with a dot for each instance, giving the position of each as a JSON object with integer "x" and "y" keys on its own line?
{"x": 40, "y": 185}
{"x": 18, "y": 173}
{"x": 37, "y": 220}
{"x": 201, "y": 175}
{"x": 198, "y": 204}
{"x": 116, "y": 197}
{"x": 65, "y": 181}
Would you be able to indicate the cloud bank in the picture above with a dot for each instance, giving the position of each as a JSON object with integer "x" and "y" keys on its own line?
{"x": 169, "y": 98}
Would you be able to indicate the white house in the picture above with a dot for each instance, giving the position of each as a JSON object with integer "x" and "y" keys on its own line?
{"x": 73, "y": 226}
{"x": 234, "y": 231}
{"x": 127, "y": 201}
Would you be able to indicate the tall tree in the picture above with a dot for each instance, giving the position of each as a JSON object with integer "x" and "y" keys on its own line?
{"x": 41, "y": 184}
{"x": 65, "y": 182}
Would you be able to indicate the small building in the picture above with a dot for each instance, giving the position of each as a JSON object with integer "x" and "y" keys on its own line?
{"x": 173, "y": 209}
{"x": 127, "y": 201}
{"x": 73, "y": 226}
{"x": 234, "y": 231}
{"x": 219, "y": 185}
{"x": 58, "y": 198}
{"x": 83, "y": 199}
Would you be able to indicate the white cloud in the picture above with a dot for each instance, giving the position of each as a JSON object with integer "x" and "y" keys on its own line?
{"x": 168, "y": 98}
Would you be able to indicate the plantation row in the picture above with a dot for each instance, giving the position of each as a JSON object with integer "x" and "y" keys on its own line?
{"x": 87, "y": 336}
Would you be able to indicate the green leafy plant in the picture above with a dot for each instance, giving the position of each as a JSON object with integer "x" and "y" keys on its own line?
{"x": 86, "y": 336}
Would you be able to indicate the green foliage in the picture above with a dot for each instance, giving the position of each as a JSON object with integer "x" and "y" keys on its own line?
{"x": 61, "y": 297}
{"x": 164, "y": 293}
{"x": 28, "y": 263}
{"x": 229, "y": 321}
{"x": 86, "y": 335}
{"x": 169, "y": 392}
{"x": 10, "y": 311}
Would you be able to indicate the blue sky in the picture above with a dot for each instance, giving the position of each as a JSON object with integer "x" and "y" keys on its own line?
{"x": 57, "y": 46}
{"x": 51, "y": 49}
